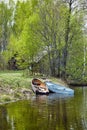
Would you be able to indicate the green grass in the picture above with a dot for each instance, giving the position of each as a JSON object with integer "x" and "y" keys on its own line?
{"x": 15, "y": 79}
{"x": 12, "y": 85}
{"x": 21, "y": 79}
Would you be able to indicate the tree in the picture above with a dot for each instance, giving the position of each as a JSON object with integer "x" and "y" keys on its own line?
{"x": 6, "y": 12}
{"x": 23, "y": 42}
{"x": 5, "y": 24}
{"x": 50, "y": 31}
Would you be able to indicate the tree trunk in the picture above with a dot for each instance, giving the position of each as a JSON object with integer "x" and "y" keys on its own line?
{"x": 65, "y": 49}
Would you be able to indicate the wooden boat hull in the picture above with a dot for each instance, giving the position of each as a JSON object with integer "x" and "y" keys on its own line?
{"x": 56, "y": 88}
{"x": 39, "y": 87}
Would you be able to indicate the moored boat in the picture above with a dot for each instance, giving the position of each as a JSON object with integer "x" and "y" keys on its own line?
{"x": 57, "y": 88}
{"x": 39, "y": 87}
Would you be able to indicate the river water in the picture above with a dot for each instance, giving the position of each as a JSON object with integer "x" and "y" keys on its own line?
{"x": 52, "y": 112}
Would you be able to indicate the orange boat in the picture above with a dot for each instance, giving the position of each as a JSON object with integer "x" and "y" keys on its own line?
{"x": 39, "y": 87}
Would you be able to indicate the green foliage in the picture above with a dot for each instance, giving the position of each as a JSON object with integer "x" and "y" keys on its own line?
{"x": 44, "y": 25}
{"x": 6, "y": 12}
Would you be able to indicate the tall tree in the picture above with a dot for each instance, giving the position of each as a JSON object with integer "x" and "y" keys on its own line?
{"x": 50, "y": 29}
{"x": 23, "y": 42}
{"x": 5, "y": 24}
{"x": 6, "y": 13}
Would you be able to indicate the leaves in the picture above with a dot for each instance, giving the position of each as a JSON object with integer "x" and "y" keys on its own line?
{"x": 46, "y": 26}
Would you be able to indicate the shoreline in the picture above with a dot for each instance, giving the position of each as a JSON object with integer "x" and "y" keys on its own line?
{"x": 10, "y": 95}
{"x": 15, "y": 85}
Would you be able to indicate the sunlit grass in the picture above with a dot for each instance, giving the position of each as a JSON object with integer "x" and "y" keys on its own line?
{"x": 15, "y": 79}
{"x": 22, "y": 79}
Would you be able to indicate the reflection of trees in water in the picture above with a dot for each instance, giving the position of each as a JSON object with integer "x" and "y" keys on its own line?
{"x": 55, "y": 113}
{"x": 79, "y": 117}
{"x": 46, "y": 113}
{"x": 57, "y": 116}
{"x": 84, "y": 116}
{"x": 64, "y": 114}
{"x": 4, "y": 125}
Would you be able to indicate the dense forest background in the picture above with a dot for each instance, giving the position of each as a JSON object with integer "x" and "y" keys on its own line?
{"x": 45, "y": 36}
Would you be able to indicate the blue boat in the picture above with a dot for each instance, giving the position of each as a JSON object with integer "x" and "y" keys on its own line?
{"x": 57, "y": 88}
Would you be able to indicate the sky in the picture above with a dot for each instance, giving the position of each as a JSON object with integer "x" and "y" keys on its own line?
{"x": 6, "y": 1}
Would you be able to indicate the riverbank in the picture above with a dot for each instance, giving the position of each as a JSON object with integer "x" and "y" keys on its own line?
{"x": 16, "y": 85}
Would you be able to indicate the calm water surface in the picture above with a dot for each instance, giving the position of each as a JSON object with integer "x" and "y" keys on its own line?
{"x": 52, "y": 112}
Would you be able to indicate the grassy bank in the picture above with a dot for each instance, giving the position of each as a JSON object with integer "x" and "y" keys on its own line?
{"x": 16, "y": 85}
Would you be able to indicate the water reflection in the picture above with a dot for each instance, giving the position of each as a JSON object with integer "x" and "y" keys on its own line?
{"x": 52, "y": 112}
{"x": 4, "y": 125}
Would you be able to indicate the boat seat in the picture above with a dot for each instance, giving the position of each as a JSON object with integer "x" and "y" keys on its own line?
{"x": 35, "y": 83}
